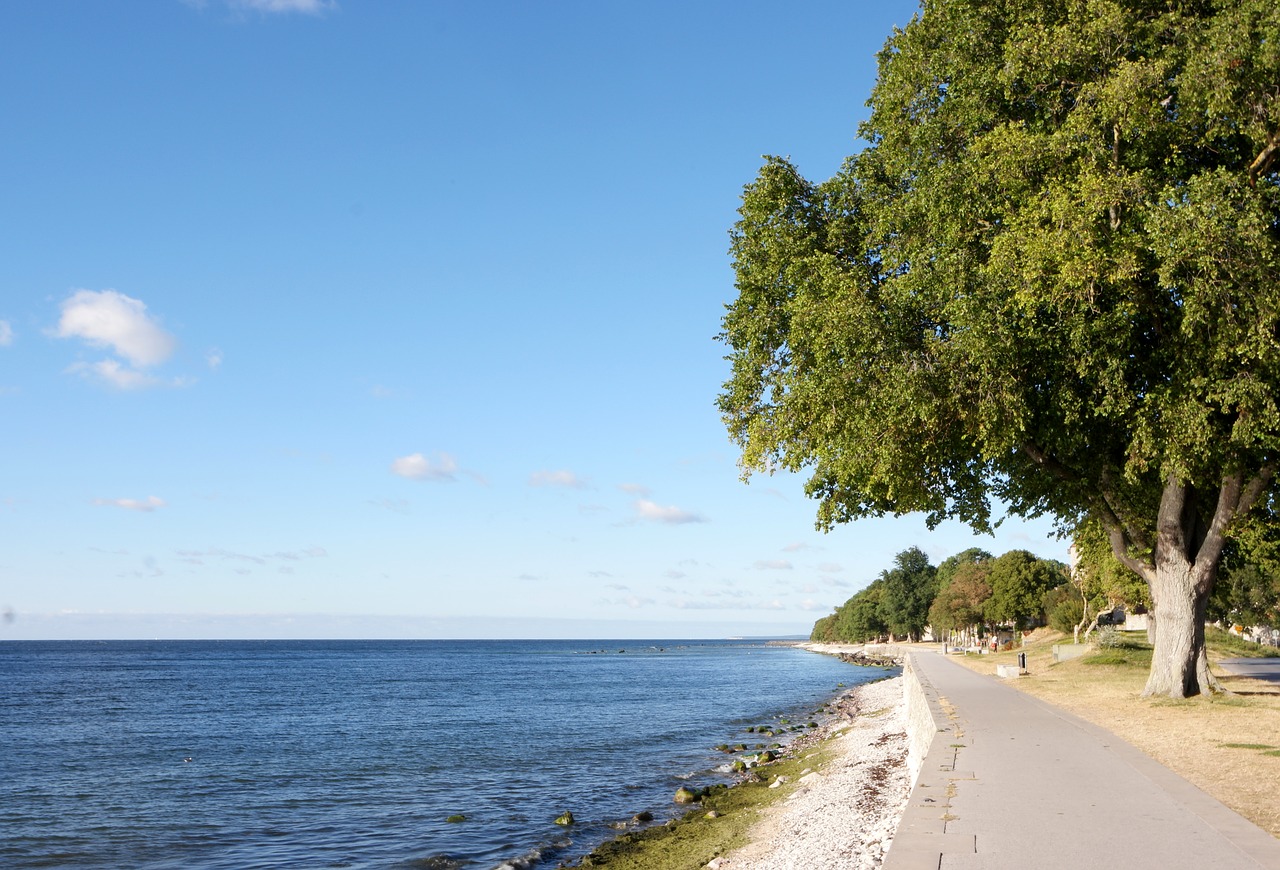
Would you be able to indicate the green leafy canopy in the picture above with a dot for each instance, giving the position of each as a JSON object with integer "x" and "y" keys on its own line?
{"x": 1051, "y": 275}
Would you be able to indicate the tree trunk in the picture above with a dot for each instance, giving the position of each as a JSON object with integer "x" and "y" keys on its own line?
{"x": 1179, "y": 645}
{"x": 1187, "y": 554}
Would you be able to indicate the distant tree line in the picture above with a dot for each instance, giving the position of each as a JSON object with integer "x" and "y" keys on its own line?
{"x": 975, "y": 592}
{"x": 972, "y": 590}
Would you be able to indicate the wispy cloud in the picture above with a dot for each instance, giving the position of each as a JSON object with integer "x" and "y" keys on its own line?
{"x": 727, "y": 604}
{"x": 198, "y": 557}
{"x": 415, "y": 466}
{"x": 146, "y": 505}
{"x": 636, "y": 489}
{"x": 561, "y": 478}
{"x": 632, "y": 602}
{"x": 651, "y": 512}
{"x": 773, "y": 565}
{"x": 112, "y": 373}
{"x": 830, "y": 567}
{"x": 6, "y": 333}
{"x": 213, "y": 359}
{"x": 271, "y": 7}
{"x": 395, "y": 505}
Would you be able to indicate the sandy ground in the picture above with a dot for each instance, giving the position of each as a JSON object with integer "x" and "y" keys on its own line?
{"x": 844, "y": 814}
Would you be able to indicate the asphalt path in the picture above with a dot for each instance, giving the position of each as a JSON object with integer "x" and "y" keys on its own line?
{"x": 1258, "y": 669}
{"x": 1010, "y": 781}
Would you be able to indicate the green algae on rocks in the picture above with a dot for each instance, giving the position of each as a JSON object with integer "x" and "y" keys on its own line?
{"x": 718, "y": 824}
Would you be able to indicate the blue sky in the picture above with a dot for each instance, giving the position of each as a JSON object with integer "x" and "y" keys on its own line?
{"x": 398, "y": 318}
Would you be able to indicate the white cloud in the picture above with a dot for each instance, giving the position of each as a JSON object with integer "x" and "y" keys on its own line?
{"x": 675, "y": 516}
{"x": 634, "y": 489}
{"x": 774, "y": 565}
{"x": 198, "y": 557}
{"x": 213, "y": 358}
{"x": 557, "y": 478}
{"x": 120, "y": 322}
{"x": 796, "y": 548}
{"x": 727, "y": 604}
{"x": 6, "y": 333}
{"x": 147, "y": 505}
{"x": 830, "y": 568}
{"x": 113, "y": 374}
{"x": 415, "y": 466}
{"x": 295, "y": 555}
{"x": 306, "y": 7}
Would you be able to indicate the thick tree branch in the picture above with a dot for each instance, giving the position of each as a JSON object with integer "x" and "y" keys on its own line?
{"x": 1111, "y": 495}
{"x": 1216, "y": 539}
{"x": 1171, "y": 531}
{"x": 1040, "y": 457}
{"x": 1261, "y": 163}
{"x": 1123, "y": 536}
{"x": 1234, "y": 500}
{"x": 1120, "y": 546}
{"x": 1258, "y": 485}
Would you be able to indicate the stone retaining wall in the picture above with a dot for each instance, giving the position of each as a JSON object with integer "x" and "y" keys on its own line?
{"x": 921, "y": 724}
{"x": 924, "y": 716}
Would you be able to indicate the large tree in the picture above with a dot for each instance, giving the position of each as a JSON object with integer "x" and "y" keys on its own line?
{"x": 908, "y": 591}
{"x": 1019, "y": 580}
{"x": 1051, "y": 280}
{"x": 960, "y": 604}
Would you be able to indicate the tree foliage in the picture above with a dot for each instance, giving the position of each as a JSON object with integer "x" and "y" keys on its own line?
{"x": 908, "y": 591}
{"x": 1019, "y": 580}
{"x": 1102, "y": 581}
{"x": 858, "y": 620}
{"x": 962, "y": 598}
{"x": 909, "y": 597}
{"x": 1051, "y": 280}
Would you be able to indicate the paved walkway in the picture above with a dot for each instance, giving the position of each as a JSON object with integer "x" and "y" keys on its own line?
{"x": 1011, "y": 782}
{"x": 1258, "y": 669}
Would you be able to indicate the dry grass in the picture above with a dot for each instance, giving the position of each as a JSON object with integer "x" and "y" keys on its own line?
{"x": 1226, "y": 744}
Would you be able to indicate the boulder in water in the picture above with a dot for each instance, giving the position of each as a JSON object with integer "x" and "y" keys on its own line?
{"x": 686, "y": 795}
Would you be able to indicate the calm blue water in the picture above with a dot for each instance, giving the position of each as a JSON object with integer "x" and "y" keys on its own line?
{"x": 354, "y": 753}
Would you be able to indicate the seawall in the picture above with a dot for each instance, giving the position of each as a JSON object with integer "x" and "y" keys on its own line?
{"x": 923, "y": 713}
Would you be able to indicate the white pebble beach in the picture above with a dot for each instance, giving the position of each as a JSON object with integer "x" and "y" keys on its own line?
{"x": 844, "y": 814}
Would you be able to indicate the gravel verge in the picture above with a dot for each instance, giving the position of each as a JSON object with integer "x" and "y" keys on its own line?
{"x": 842, "y": 817}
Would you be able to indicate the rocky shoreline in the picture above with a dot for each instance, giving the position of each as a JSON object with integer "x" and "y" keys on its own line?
{"x": 843, "y": 815}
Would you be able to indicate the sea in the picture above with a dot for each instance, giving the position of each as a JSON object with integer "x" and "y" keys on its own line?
{"x": 357, "y": 754}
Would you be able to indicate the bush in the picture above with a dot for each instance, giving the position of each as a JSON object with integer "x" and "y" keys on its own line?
{"x": 1109, "y": 638}
{"x": 1063, "y": 607}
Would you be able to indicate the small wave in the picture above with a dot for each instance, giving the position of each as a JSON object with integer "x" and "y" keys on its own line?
{"x": 433, "y": 862}
{"x": 530, "y": 858}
